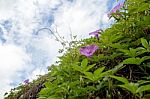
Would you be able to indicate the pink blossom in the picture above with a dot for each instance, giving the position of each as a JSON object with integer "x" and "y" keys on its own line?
{"x": 96, "y": 33}
{"x": 88, "y": 50}
{"x": 116, "y": 8}
{"x": 26, "y": 81}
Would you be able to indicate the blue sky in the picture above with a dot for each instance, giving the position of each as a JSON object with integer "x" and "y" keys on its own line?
{"x": 23, "y": 53}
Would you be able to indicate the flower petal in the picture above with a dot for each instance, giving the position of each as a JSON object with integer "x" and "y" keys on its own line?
{"x": 88, "y": 50}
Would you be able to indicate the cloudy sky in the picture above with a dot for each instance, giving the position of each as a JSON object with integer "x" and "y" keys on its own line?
{"x": 24, "y": 52}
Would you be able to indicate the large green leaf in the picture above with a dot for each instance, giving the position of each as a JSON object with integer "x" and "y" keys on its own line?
{"x": 132, "y": 87}
{"x": 54, "y": 97}
{"x": 136, "y": 61}
{"x": 118, "y": 45}
{"x": 145, "y": 58}
{"x": 133, "y": 52}
{"x": 89, "y": 67}
{"x": 122, "y": 79}
{"x": 98, "y": 71}
{"x": 89, "y": 75}
{"x": 144, "y": 7}
{"x": 84, "y": 63}
{"x": 147, "y": 96}
{"x": 143, "y": 88}
{"x": 77, "y": 68}
{"x": 146, "y": 20}
{"x": 42, "y": 97}
{"x": 145, "y": 43}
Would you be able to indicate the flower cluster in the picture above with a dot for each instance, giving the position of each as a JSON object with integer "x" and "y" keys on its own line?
{"x": 26, "y": 81}
{"x": 90, "y": 49}
{"x": 115, "y": 9}
{"x": 96, "y": 33}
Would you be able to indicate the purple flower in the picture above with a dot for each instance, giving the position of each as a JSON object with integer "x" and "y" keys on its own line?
{"x": 117, "y": 7}
{"x": 88, "y": 50}
{"x": 26, "y": 81}
{"x": 95, "y": 33}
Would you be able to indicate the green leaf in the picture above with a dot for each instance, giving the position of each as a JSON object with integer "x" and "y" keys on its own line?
{"x": 143, "y": 88}
{"x": 147, "y": 96}
{"x": 42, "y": 97}
{"x": 147, "y": 65}
{"x": 116, "y": 68}
{"x": 54, "y": 97}
{"x": 89, "y": 75}
{"x": 144, "y": 43}
{"x": 89, "y": 67}
{"x": 127, "y": 52}
{"x": 133, "y": 52}
{"x": 48, "y": 85}
{"x": 122, "y": 79}
{"x": 97, "y": 97}
{"x": 44, "y": 91}
{"x": 118, "y": 45}
{"x": 98, "y": 71}
{"x": 141, "y": 82}
{"x": 144, "y": 7}
{"x": 136, "y": 61}
{"x": 74, "y": 83}
{"x": 146, "y": 20}
{"x": 77, "y": 68}
{"x": 84, "y": 63}
{"x": 145, "y": 58}
{"x": 90, "y": 88}
{"x": 132, "y": 87}
{"x": 115, "y": 38}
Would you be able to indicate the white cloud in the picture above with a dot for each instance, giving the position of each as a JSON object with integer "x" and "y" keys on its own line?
{"x": 12, "y": 60}
{"x": 6, "y": 7}
{"x": 82, "y": 17}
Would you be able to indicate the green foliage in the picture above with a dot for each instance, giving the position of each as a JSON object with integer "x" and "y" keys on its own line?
{"x": 136, "y": 88}
{"x": 96, "y": 75}
{"x": 122, "y": 79}
{"x": 145, "y": 44}
{"x": 119, "y": 69}
{"x": 83, "y": 68}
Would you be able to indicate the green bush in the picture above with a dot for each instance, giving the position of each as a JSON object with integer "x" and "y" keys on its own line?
{"x": 119, "y": 69}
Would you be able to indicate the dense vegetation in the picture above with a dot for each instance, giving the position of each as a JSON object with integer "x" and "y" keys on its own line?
{"x": 115, "y": 64}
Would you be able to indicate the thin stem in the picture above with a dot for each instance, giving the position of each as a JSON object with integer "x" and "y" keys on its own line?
{"x": 45, "y": 28}
{"x": 59, "y": 35}
{"x": 130, "y": 73}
